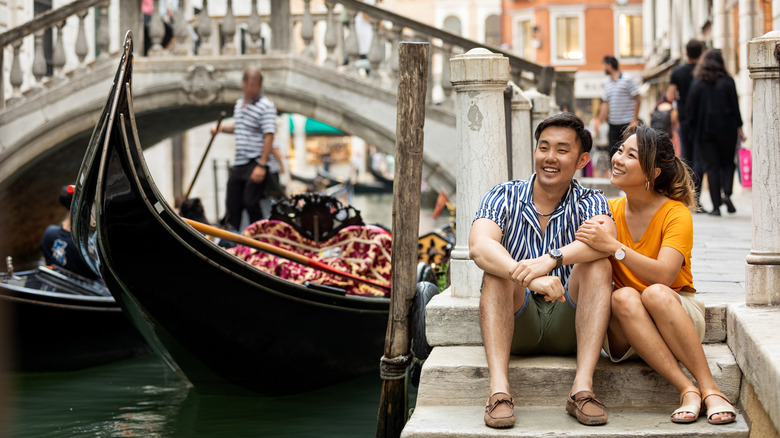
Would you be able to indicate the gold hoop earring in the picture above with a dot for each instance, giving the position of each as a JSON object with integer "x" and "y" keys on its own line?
{"x": 647, "y": 185}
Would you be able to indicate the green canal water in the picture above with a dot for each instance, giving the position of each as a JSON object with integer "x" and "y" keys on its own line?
{"x": 143, "y": 398}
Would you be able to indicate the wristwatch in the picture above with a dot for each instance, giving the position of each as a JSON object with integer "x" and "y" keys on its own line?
{"x": 557, "y": 254}
{"x": 620, "y": 254}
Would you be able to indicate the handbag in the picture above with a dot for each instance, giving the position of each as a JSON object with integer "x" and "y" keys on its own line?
{"x": 745, "y": 168}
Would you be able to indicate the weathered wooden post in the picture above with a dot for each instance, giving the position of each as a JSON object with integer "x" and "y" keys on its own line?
{"x": 479, "y": 78}
{"x": 762, "y": 275}
{"x": 412, "y": 86}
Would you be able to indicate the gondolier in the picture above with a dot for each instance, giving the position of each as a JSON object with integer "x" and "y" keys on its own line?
{"x": 255, "y": 169}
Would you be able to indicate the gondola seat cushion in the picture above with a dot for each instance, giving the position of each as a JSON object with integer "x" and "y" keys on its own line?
{"x": 363, "y": 251}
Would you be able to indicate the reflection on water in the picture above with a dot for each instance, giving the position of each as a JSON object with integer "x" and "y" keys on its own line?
{"x": 143, "y": 398}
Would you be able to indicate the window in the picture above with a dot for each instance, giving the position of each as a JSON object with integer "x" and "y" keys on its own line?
{"x": 452, "y": 25}
{"x": 630, "y": 35}
{"x": 567, "y": 36}
{"x": 524, "y": 42}
{"x": 493, "y": 31}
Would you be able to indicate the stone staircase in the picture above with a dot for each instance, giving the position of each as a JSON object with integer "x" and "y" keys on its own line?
{"x": 454, "y": 386}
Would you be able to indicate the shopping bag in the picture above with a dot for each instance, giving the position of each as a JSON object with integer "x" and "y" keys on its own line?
{"x": 745, "y": 168}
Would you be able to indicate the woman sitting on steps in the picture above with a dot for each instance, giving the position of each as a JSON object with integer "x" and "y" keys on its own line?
{"x": 654, "y": 312}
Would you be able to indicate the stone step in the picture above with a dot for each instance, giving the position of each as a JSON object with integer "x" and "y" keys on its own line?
{"x": 467, "y": 422}
{"x": 455, "y": 321}
{"x": 458, "y": 376}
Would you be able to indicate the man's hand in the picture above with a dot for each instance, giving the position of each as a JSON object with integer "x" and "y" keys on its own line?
{"x": 525, "y": 271}
{"x": 258, "y": 174}
{"x": 550, "y": 286}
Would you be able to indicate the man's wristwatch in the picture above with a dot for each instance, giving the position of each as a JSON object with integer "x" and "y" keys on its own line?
{"x": 620, "y": 253}
{"x": 557, "y": 254}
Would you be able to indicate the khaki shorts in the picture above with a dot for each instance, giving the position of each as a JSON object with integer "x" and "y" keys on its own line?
{"x": 543, "y": 327}
{"x": 692, "y": 306}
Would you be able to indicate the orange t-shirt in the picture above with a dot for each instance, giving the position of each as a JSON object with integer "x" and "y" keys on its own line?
{"x": 672, "y": 226}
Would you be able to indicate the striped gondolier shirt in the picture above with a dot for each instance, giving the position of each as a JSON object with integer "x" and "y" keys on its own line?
{"x": 619, "y": 94}
{"x": 510, "y": 206}
{"x": 252, "y": 123}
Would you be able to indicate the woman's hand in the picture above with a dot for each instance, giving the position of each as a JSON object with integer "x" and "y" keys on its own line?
{"x": 595, "y": 235}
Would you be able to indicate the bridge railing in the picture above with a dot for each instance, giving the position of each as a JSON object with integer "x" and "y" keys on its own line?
{"x": 326, "y": 36}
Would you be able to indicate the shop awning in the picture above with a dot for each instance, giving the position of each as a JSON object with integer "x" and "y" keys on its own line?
{"x": 316, "y": 127}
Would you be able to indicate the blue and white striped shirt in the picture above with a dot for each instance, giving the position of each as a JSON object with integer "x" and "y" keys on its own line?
{"x": 251, "y": 124}
{"x": 619, "y": 94}
{"x": 510, "y": 206}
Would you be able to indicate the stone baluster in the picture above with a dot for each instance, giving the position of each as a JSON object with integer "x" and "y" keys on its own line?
{"x": 397, "y": 38}
{"x": 522, "y": 137}
{"x": 58, "y": 57}
{"x": 446, "y": 85}
{"x": 253, "y": 29}
{"x": 16, "y": 77}
{"x": 331, "y": 37}
{"x": 204, "y": 30}
{"x": 762, "y": 274}
{"x": 376, "y": 53}
{"x": 102, "y": 39}
{"x": 479, "y": 78}
{"x": 181, "y": 34}
{"x": 229, "y": 31}
{"x": 351, "y": 47}
{"x": 81, "y": 43}
{"x": 281, "y": 26}
{"x": 307, "y": 32}
{"x": 39, "y": 62}
{"x": 156, "y": 31}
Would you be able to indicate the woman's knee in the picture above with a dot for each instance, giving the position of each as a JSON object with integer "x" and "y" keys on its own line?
{"x": 659, "y": 297}
{"x": 626, "y": 302}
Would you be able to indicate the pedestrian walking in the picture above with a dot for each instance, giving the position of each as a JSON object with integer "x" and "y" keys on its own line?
{"x": 679, "y": 87}
{"x": 619, "y": 103}
{"x": 716, "y": 122}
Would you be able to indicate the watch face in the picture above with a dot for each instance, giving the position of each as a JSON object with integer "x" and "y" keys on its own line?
{"x": 620, "y": 254}
{"x": 557, "y": 253}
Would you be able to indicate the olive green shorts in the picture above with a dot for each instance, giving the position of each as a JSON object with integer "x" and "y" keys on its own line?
{"x": 543, "y": 327}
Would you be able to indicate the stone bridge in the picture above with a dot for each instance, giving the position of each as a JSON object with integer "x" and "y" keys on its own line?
{"x": 44, "y": 127}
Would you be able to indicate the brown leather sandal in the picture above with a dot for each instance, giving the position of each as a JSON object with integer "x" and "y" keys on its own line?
{"x": 693, "y": 409}
{"x": 720, "y": 409}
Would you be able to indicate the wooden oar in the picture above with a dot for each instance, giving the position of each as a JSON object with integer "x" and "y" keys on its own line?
{"x": 289, "y": 255}
{"x": 197, "y": 172}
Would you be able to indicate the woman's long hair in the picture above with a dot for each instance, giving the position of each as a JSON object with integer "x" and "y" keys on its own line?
{"x": 710, "y": 67}
{"x": 656, "y": 151}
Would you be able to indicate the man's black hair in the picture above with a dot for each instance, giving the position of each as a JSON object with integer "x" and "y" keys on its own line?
{"x": 567, "y": 120}
{"x": 611, "y": 60}
{"x": 66, "y": 197}
{"x": 694, "y": 49}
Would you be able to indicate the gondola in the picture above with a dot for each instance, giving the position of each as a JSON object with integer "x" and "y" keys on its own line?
{"x": 60, "y": 321}
{"x": 218, "y": 321}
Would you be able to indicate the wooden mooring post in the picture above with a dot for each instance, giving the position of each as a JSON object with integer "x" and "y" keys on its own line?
{"x": 412, "y": 88}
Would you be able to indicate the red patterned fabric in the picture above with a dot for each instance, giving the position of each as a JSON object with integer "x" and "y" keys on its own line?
{"x": 363, "y": 251}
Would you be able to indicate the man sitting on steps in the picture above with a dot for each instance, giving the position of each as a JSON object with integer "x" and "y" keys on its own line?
{"x": 542, "y": 291}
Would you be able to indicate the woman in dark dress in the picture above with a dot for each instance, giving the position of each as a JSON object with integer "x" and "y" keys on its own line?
{"x": 716, "y": 123}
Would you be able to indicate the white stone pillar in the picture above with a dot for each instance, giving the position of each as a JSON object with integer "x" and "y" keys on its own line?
{"x": 522, "y": 137}
{"x": 719, "y": 33}
{"x": 762, "y": 275}
{"x": 479, "y": 78}
{"x": 299, "y": 144}
{"x": 540, "y": 107}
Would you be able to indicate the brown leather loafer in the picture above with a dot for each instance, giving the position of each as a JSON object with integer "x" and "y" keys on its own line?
{"x": 500, "y": 411}
{"x": 586, "y": 408}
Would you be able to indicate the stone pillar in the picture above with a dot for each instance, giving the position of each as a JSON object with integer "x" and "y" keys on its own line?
{"x": 479, "y": 78}
{"x": 130, "y": 18}
{"x": 540, "y": 107}
{"x": 522, "y": 137}
{"x": 299, "y": 144}
{"x": 281, "y": 26}
{"x": 762, "y": 275}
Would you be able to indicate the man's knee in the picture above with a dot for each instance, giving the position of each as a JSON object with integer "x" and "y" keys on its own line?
{"x": 498, "y": 290}
{"x": 597, "y": 270}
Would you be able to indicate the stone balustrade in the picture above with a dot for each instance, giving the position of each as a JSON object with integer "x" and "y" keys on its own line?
{"x": 319, "y": 36}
